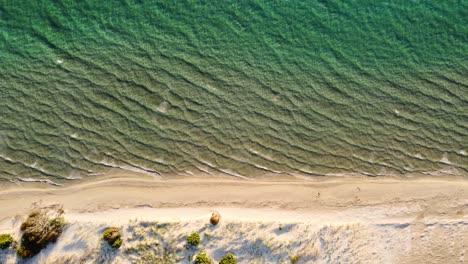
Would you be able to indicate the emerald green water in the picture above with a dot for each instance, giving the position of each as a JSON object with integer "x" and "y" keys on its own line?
{"x": 242, "y": 88}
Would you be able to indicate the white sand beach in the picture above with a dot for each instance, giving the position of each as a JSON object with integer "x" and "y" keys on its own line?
{"x": 331, "y": 220}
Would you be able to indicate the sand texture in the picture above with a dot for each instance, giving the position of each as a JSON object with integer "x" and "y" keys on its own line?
{"x": 336, "y": 220}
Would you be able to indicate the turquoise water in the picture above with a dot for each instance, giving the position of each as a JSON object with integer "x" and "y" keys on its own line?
{"x": 241, "y": 88}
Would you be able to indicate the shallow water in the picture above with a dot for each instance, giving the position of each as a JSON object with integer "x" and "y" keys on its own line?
{"x": 242, "y": 88}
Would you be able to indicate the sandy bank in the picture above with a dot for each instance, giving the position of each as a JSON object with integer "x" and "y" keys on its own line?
{"x": 431, "y": 196}
{"x": 335, "y": 220}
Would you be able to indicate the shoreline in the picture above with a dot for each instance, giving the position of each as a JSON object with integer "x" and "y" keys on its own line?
{"x": 113, "y": 173}
{"x": 289, "y": 194}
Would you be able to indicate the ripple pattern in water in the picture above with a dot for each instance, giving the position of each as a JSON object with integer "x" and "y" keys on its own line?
{"x": 242, "y": 88}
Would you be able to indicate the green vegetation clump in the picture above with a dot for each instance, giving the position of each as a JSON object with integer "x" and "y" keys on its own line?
{"x": 202, "y": 258}
{"x": 5, "y": 241}
{"x": 193, "y": 239}
{"x": 113, "y": 236}
{"x": 294, "y": 259}
{"x": 42, "y": 227}
{"x": 23, "y": 252}
{"x": 228, "y": 259}
{"x": 117, "y": 243}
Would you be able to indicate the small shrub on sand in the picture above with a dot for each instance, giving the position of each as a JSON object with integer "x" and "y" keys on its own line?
{"x": 202, "y": 258}
{"x": 42, "y": 227}
{"x": 228, "y": 259}
{"x": 215, "y": 217}
{"x": 294, "y": 259}
{"x": 22, "y": 252}
{"x": 113, "y": 236}
{"x": 193, "y": 239}
{"x": 5, "y": 241}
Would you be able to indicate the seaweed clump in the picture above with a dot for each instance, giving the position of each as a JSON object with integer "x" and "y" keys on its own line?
{"x": 43, "y": 226}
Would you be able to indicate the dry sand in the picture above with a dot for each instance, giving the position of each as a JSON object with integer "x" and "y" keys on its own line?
{"x": 331, "y": 220}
